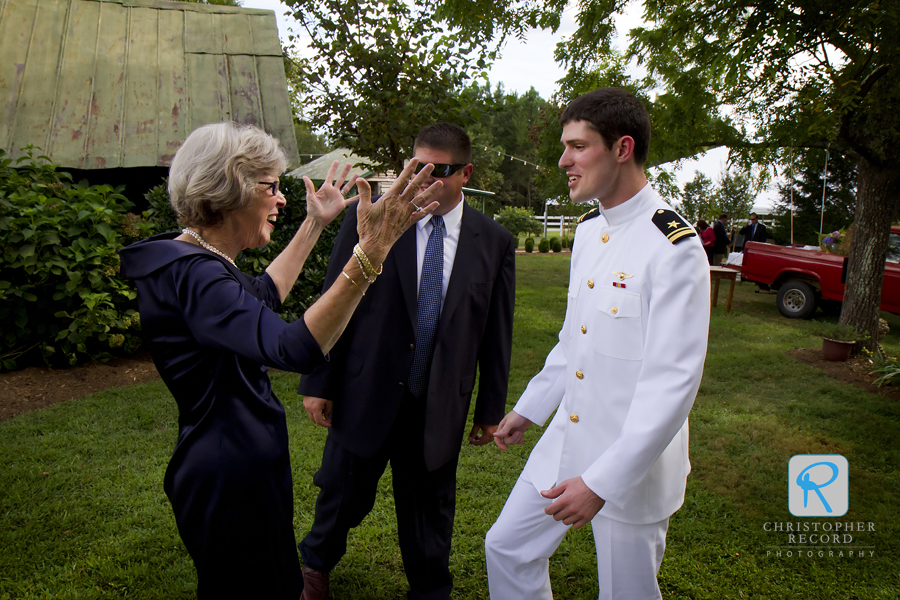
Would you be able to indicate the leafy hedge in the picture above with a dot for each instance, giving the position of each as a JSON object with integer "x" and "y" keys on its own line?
{"x": 61, "y": 296}
{"x": 60, "y": 292}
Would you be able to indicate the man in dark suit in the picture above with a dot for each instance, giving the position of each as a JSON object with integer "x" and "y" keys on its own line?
{"x": 720, "y": 249}
{"x": 399, "y": 382}
{"x": 754, "y": 231}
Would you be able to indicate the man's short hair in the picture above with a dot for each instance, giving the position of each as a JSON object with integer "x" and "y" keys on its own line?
{"x": 723, "y": 216}
{"x": 754, "y": 215}
{"x": 447, "y": 137}
{"x": 613, "y": 113}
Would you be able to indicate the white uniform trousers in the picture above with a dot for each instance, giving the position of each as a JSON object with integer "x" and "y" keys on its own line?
{"x": 519, "y": 545}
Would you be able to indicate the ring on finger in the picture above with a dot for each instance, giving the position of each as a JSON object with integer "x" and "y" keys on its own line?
{"x": 418, "y": 208}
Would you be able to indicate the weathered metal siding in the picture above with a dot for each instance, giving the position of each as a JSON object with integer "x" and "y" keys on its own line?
{"x": 108, "y": 83}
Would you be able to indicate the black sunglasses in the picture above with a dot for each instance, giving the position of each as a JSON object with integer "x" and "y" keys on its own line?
{"x": 441, "y": 170}
{"x": 272, "y": 185}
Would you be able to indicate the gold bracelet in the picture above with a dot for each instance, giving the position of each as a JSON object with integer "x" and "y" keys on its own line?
{"x": 362, "y": 269}
{"x": 369, "y": 272}
{"x": 356, "y": 285}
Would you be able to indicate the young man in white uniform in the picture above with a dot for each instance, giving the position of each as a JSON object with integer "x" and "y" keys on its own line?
{"x": 622, "y": 378}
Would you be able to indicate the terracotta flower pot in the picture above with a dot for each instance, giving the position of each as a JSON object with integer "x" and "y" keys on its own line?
{"x": 836, "y": 349}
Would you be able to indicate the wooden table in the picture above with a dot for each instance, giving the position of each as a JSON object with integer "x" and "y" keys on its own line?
{"x": 718, "y": 273}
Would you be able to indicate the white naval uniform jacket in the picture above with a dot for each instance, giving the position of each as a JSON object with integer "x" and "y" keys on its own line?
{"x": 627, "y": 366}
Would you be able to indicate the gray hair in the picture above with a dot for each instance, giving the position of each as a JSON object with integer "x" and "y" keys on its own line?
{"x": 216, "y": 171}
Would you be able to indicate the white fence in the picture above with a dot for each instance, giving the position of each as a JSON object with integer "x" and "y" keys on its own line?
{"x": 559, "y": 223}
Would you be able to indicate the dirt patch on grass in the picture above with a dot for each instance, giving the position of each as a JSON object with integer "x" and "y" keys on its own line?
{"x": 36, "y": 387}
{"x": 854, "y": 371}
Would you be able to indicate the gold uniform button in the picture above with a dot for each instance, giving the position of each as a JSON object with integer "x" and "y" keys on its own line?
{"x": 573, "y": 418}
{"x": 604, "y": 238}
{"x": 583, "y": 329}
{"x": 591, "y": 283}
{"x": 614, "y": 310}
{"x": 579, "y": 374}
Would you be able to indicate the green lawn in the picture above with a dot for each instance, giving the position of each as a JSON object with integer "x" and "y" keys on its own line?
{"x": 83, "y": 514}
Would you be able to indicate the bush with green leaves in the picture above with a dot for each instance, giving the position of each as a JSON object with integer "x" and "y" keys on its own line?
{"x": 564, "y": 242}
{"x": 529, "y": 244}
{"x": 544, "y": 246}
{"x": 61, "y": 296}
{"x": 518, "y": 220}
{"x": 254, "y": 261}
{"x": 555, "y": 245}
{"x": 888, "y": 373}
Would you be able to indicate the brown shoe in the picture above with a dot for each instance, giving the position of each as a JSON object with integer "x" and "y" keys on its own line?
{"x": 315, "y": 584}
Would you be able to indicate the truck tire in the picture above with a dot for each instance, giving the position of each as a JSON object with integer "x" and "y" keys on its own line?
{"x": 796, "y": 299}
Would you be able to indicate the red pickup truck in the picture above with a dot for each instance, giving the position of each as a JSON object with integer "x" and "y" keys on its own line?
{"x": 804, "y": 278}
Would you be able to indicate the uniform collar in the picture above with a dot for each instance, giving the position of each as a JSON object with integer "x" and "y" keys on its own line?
{"x": 451, "y": 219}
{"x": 631, "y": 208}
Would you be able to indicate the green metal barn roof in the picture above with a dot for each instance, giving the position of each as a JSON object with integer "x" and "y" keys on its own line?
{"x": 111, "y": 83}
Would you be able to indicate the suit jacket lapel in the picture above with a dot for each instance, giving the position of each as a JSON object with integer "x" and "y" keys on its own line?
{"x": 461, "y": 275}
{"x": 404, "y": 253}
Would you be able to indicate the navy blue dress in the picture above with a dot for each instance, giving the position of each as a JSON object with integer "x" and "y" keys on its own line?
{"x": 212, "y": 334}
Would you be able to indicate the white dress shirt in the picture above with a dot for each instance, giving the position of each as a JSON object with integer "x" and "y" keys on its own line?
{"x": 452, "y": 227}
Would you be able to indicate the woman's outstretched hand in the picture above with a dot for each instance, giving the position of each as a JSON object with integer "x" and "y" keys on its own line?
{"x": 324, "y": 204}
{"x": 382, "y": 223}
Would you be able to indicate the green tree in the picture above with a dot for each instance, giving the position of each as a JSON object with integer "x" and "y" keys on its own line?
{"x": 804, "y": 189}
{"x": 697, "y": 199}
{"x": 760, "y": 78}
{"x": 734, "y": 195}
{"x": 382, "y": 69}
{"x": 518, "y": 220}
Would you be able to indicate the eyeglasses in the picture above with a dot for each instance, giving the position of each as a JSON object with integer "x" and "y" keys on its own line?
{"x": 272, "y": 185}
{"x": 441, "y": 170}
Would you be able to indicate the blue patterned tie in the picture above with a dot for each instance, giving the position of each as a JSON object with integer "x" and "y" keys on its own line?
{"x": 428, "y": 307}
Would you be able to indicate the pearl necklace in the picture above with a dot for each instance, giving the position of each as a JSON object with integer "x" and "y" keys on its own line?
{"x": 209, "y": 247}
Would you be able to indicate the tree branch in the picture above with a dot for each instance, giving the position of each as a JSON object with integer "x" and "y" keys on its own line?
{"x": 845, "y": 132}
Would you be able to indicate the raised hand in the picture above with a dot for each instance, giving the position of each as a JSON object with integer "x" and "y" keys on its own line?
{"x": 324, "y": 204}
{"x": 382, "y": 223}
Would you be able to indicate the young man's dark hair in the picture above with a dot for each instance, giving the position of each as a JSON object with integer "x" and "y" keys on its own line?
{"x": 446, "y": 136}
{"x": 613, "y": 113}
{"x": 723, "y": 216}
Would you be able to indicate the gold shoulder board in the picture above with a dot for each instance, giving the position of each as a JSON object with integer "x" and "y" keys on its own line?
{"x": 672, "y": 226}
{"x": 594, "y": 212}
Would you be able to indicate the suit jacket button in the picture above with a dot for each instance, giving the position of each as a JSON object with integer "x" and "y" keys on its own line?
{"x": 591, "y": 283}
{"x": 401, "y": 384}
{"x": 573, "y": 418}
{"x": 412, "y": 346}
{"x": 579, "y": 374}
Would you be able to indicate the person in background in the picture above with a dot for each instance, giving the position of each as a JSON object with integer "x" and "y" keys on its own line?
{"x": 399, "y": 383}
{"x": 753, "y": 231}
{"x": 720, "y": 248}
{"x": 708, "y": 238}
{"x": 213, "y": 334}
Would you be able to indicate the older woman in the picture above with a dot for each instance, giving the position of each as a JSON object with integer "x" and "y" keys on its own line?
{"x": 212, "y": 333}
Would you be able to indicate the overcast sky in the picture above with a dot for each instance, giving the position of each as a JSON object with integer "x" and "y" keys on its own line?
{"x": 530, "y": 64}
